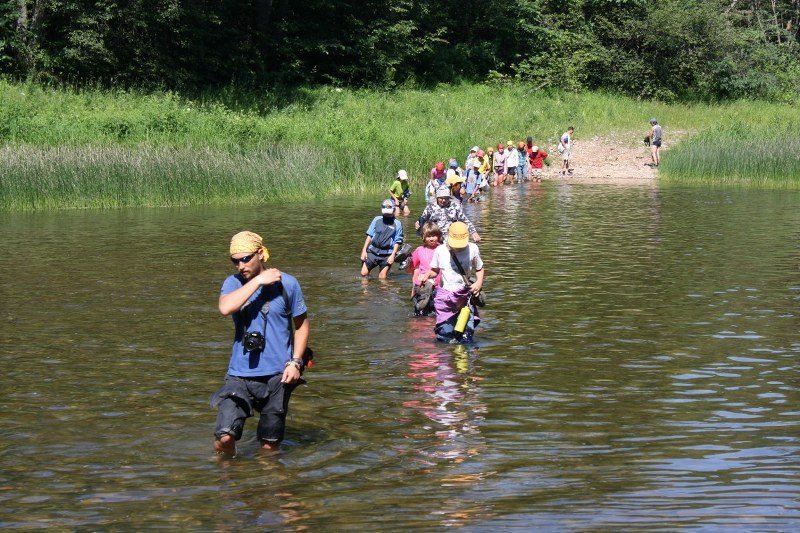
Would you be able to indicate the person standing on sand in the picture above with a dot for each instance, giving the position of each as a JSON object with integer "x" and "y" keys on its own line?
{"x": 655, "y": 142}
{"x": 267, "y": 357}
{"x": 565, "y": 148}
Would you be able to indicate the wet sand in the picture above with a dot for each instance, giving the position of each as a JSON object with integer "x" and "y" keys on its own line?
{"x": 608, "y": 160}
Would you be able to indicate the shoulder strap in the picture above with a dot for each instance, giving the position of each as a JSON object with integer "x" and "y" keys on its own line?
{"x": 288, "y": 307}
{"x": 459, "y": 267}
{"x": 308, "y": 356}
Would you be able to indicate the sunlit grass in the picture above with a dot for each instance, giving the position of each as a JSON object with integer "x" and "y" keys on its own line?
{"x": 65, "y": 148}
{"x": 104, "y": 177}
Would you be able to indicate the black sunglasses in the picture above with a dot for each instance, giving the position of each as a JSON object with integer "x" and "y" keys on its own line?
{"x": 245, "y": 259}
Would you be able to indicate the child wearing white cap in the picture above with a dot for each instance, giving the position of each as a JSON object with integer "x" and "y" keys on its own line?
{"x": 384, "y": 237}
{"x": 400, "y": 193}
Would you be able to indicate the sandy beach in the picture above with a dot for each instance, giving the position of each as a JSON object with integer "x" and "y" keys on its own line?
{"x": 610, "y": 160}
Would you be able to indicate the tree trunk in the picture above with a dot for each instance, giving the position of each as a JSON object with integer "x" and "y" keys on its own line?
{"x": 28, "y": 33}
{"x": 775, "y": 18}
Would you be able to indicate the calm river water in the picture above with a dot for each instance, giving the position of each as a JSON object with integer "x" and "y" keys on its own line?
{"x": 637, "y": 368}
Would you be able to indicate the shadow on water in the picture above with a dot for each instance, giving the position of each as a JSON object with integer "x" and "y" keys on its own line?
{"x": 636, "y": 366}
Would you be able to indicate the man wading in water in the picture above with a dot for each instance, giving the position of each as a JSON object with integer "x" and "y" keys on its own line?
{"x": 267, "y": 357}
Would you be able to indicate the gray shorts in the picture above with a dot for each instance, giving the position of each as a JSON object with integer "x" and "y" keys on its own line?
{"x": 375, "y": 260}
{"x": 240, "y": 397}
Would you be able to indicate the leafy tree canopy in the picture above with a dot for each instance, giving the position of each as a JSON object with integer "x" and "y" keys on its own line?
{"x": 665, "y": 49}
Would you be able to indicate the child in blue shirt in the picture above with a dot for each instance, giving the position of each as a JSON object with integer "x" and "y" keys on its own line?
{"x": 384, "y": 237}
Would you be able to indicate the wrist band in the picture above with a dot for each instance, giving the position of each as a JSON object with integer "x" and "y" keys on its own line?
{"x": 298, "y": 364}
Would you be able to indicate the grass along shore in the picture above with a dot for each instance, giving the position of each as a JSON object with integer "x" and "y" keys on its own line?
{"x": 76, "y": 149}
{"x": 737, "y": 154}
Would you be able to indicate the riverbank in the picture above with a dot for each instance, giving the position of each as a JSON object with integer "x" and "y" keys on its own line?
{"x": 106, "y": 149}
{"x": 611, "y": 159}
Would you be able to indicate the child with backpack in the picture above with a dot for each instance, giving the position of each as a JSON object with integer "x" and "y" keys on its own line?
{"x": 457, "y": 296}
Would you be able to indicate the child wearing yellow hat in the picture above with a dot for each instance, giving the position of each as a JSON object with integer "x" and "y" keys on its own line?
{"x": 456, "y": 261}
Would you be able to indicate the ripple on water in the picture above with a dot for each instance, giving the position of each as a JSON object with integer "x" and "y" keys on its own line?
{"x": 630, "y": 371}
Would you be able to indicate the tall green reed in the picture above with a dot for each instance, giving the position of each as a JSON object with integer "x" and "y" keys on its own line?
{"x": 109, "y": 177}
{"x": 737, "y": 154}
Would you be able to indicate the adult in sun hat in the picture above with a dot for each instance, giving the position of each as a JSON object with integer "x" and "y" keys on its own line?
{"x": 655, "y": 142}
{"x": 269, "y": 346}
{"x": 444, "y": 212}
{"x": 384, "y": 237}
{"x": 400, "y": 193}
{"x": 456, "y": 261}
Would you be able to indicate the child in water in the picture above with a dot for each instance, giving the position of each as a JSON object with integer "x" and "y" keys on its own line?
{"x": 400, "y": 193}
{"x": 384, "y": 237}
{"x": 522, "y": 166}
{"x": 536, "y": 159}
{"x": 456, "y": 261}
{"x": 422, "y": 293}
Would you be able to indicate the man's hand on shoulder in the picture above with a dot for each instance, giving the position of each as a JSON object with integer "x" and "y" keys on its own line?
{"x": 269, "y": 276}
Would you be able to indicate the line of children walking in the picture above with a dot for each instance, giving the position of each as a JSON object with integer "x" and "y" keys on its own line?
{"x": 521, "y": 162}
{"x": 447, "y": 274}
{"x": 447, "y": 270}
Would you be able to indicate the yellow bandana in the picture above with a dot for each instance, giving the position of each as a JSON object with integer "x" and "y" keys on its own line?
{"x": 247, "y": 242}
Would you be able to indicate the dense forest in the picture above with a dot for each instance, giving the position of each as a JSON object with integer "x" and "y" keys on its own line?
{"x": 661, "y": 49}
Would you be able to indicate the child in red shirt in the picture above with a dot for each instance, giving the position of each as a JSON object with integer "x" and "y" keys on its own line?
{"x": 536, "y": 157}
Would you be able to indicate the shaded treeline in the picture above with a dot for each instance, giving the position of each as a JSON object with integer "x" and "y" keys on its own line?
{"x": 665, "y": 49}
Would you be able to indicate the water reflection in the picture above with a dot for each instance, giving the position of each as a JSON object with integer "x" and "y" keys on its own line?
{"x": 449, "y": 399}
